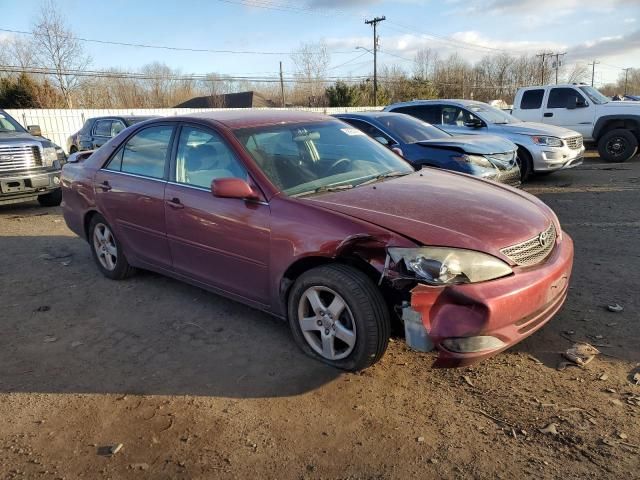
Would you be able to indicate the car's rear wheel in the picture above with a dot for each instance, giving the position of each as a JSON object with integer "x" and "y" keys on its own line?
{"x": 617, "y": 145}
{"x": 338, "y": 315}
{"x": 525, "y": 163}
{"x": 73, "y": 149}
{"x": 107, "y": 251}
{"x": 52, "y": 199}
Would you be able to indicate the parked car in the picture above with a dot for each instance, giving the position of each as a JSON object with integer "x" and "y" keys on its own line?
{"x": 30, "y": 164}
{"x": 308, "y": 219}
{"x": 541, "y": 148}
{"x": 488, "y": 157}
{"x": 613, "y": 126}
{"x": 97, "y": 131}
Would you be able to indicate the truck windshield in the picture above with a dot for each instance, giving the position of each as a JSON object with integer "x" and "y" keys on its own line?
{"x": 8, "y": 124}
{"x": 594, "y": 95}
{"x": 492, "y": 114}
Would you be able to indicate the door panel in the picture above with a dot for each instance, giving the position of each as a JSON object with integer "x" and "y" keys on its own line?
{"x": 556, "y": 112}
{"x": 223, "y": 242}
{"x": 134, "y": 206}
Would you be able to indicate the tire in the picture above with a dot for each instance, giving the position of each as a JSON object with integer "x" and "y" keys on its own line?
{"x": 52, "y": 199}
{"x": 617, "y": 145}
{"x": 364, "y": 314}
{"x": 107, "y": 251}
{"x": 73, "y": 149}
{"x": 525, "y": 163}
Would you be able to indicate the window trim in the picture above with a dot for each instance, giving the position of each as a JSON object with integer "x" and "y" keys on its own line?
{"x": 95, "y": 126}
{"x": 167, "y": 160}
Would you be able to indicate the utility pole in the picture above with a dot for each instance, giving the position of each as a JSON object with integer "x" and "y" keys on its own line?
{"x": 543, "y": 55}
{"x": 282, "y": 86}
{"x": 626, "y": 74}
{"x": 375, "y": 22}
{"x": 557, "y": 62}
{"x": 593, "y": 71}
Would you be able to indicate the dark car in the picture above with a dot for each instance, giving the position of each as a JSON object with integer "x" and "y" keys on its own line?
{"x": 422, "y": 144}
{"x": 97, "y": 131}
{"x": 303, "y": 217}
{"x": 30, "y": 164}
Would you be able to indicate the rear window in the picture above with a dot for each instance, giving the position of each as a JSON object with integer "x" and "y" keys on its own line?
{"x": 426, "y": 113}
{"x": 532, "y": 99}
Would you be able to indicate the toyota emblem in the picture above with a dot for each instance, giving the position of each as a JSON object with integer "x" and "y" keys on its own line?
{"x": 543, "y": 238}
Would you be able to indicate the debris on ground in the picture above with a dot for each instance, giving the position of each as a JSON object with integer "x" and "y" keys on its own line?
{"x": 551, "y": 428}
{"x": 139, "y": 466}
{"x": 116, "y": 448}
{"x": 50, "y": 339}
{"x": 604, "y": 376}
{"x": 468, "y": 380}
{"x": 43, "y": 308}
{"x": 615, "y": 308}
{"x": 636, "y": 378}
{"x": 420, "y": 439}
{"x": 581, "y": 354}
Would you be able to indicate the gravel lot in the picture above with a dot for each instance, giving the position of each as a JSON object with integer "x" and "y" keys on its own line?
{"x": 196, "y": 386}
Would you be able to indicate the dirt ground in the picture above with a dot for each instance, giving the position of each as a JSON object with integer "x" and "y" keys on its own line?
{"x": 197, "y": 386}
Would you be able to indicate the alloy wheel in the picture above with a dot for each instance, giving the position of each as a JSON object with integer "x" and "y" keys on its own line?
{"x": 105, "y": 247}
{"x": 327, "y": 323}
{"x": 616, "y": 146}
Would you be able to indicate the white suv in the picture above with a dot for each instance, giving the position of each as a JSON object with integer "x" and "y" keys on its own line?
{"x": 614, "y": 126}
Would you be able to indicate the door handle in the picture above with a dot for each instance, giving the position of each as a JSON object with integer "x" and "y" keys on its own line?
{"x": 548, "y": 114}
{"x": 175, "y": 203}
{"x": 104, "y": 186}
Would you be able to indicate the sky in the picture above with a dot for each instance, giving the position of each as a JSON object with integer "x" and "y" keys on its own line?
{"x": 606, "y": 30}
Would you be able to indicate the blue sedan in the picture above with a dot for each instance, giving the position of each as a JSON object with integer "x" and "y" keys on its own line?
{"x": 422, "y": 144}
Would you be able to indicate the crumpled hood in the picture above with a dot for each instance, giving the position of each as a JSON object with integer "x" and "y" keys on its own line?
{"x": 440, "y": 208}
{"x": 533, "y": 128}
{"x": 478, "y": 144}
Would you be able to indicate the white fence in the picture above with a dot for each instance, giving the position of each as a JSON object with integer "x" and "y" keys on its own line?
{"x": 58, "y": 124}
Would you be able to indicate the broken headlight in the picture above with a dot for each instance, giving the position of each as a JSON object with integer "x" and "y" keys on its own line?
{"x": 449, "y": 266}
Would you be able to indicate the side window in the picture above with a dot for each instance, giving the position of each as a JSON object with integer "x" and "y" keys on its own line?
{"x": 102, "y": 128}
{"x": 453, "y": 116}
{"x": 532, "y": 99}
{"x": 426, "y": 113}
{"x": 145, "y": 153}
{"x": 370, "y": 130}
{"x": 116, "y": 127}
{"x": 562, "y": 97}
{"x": 203, "y": 156}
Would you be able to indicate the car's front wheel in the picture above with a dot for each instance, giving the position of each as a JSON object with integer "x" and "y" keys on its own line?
{"x": 338, "y": 315}
{"x": 107, "y": 251}
{"x": 525, "y": 162}
{"x": 617, "y": 145}
{"x": 52, "y": 199}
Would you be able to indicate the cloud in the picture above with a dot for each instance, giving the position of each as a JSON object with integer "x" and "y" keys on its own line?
{"x": 629, "y": 20}
{"x": 541, "y": 8}
{"x": 607, "y": 47}
{"x": 330, "y": 4}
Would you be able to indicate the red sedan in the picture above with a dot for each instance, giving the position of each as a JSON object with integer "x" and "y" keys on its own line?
{"x": 307, "y": 218}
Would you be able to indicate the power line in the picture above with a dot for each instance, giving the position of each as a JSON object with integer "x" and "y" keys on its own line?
{"x": 166, "y": 47}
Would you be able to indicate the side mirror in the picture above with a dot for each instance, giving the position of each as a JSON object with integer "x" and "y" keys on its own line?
{"x": 395, "y": 148}
{"x": 576, "y": 102}
{"x": 34, "y": 130}
{"x": 474, "y": 123}
{"x": 233, "y": 188}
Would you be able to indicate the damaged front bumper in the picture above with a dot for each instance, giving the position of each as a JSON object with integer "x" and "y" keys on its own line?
{"x": 470, "y": 322}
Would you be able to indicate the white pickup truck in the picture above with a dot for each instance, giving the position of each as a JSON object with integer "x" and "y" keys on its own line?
{"x": 613, "y": 126}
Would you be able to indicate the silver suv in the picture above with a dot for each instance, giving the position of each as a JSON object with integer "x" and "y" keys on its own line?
{"x": 541, "y": 148}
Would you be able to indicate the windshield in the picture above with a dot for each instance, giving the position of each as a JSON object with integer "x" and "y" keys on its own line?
{"x": 492, "y": 114}
{"x": 594, "y": 95}
{"x": 307, "y": 158}
{"x": 8, "y": 124}
{"x": 410, "y": 129}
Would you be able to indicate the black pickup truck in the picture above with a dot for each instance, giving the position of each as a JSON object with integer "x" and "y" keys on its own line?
{"x": 30, "y": 165}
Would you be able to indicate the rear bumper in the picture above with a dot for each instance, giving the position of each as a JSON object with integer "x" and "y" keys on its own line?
{"x": 21, "y": 187}
{"x": 506, "y": 310}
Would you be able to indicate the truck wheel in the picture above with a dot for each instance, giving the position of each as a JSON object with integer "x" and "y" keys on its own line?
{"x": 617, "y": 145}
{"x": 107, "y": 251}
{"x": 338, "y": 316}
{"x": 52, "y": 199}
{"x": 525, "y": 163}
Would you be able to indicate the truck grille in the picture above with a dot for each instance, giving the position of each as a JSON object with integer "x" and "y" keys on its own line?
{"x": 19, "y": 157}
{"x": 574, "y": 143}
{"x": 534, "y": 250}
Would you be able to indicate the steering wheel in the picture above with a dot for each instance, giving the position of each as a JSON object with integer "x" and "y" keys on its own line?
{"x": 337, "y": 163}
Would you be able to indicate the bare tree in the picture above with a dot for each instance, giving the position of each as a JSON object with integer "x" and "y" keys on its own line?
{"x": 311, "y": 61}
{"x": 578, "y": 73}
{"x": 56, "y": 47}
{"x": 424, "y": 63}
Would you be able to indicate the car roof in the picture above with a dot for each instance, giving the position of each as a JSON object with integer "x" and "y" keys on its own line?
{"x": 245, "y": 118}
{"x": 368, "y": 115}
{"x": 449, "y": 101}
